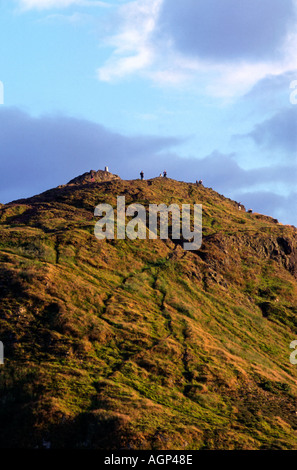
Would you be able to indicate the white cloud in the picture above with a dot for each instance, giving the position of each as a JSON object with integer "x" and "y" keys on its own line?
{"x": 228, "y": 80}
{"x": 138, "y": 49}
{"x": 47, "y": 4}
{"x": 133, "y": 49}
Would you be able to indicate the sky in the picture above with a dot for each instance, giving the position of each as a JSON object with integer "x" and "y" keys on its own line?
{"x": 204, "y": 89}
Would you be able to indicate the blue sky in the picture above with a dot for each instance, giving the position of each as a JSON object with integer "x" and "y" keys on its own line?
{"x": 200, "y": 88}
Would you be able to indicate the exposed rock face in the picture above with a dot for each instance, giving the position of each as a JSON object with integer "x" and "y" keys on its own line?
{"x": 281, "y": 249}
{"x": 93, "y": 176}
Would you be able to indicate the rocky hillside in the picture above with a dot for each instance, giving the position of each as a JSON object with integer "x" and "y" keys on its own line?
{"x": 120, "y": 344}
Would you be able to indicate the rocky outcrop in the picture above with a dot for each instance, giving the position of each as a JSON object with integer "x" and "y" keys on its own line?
{"x": 94, "y": 177}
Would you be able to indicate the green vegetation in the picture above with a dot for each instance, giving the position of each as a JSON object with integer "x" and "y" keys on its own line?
{"x": 140, "y": 344}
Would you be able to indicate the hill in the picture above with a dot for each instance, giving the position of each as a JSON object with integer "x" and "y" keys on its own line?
{"x": 121, "y": 344}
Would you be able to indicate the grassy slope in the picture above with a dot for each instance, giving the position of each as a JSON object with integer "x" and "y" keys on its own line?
{"x": 140, "y": 344}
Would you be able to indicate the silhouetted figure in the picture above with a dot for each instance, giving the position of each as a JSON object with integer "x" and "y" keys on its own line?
{"x": 165, "y": 174}
{"x": 200, "y": 181}
{"x": 141, "y": 175}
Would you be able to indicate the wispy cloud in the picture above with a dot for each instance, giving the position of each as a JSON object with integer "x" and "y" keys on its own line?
{"x": 168, "y": 43}
{"x": 219, "y": 47}
{"x": 133, "y": 48}
{"x": 73, "y": 18}
{"x": 48, "y": 4}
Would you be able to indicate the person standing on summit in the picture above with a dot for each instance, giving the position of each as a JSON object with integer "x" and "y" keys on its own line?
{"x": 141, "y": 175}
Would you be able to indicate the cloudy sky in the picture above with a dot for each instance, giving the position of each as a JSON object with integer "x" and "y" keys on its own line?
{"x": 205, "y": 89}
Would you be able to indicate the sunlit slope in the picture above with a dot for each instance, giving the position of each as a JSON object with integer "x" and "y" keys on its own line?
{"x": 141, "y": 344}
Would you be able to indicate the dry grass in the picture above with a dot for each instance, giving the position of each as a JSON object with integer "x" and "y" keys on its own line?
{"x": 139, "y": 344}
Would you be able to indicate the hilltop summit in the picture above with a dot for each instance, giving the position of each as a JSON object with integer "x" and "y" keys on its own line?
{"x": 138, "y": 344}
{"x": 94, "y": 176}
